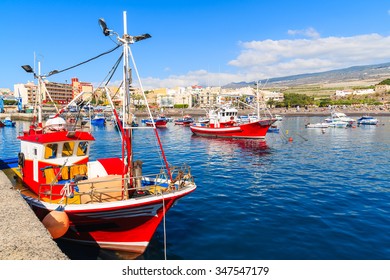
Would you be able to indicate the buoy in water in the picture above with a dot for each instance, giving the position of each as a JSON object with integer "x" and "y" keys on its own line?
{"x": 290, "y": 139}
{"x": 57, "y": 223}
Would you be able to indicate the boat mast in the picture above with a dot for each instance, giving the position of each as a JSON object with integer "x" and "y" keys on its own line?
{"x": 126, "y": 114}
{"x": 258, "y": 100}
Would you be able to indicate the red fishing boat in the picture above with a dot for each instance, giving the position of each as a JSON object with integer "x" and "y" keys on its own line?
{"x": 107, "y": 202}
{"x": 186, "y": 120}
{"x": 223, "y": 122}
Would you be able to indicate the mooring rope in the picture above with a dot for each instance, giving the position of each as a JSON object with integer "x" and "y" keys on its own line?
{"x": 165, "y": 232}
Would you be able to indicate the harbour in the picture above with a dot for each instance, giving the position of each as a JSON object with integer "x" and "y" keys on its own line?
{"x": 321, "y": 196}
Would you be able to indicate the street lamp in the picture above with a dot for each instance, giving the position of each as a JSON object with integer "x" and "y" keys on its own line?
{"x": 29, "y": 69}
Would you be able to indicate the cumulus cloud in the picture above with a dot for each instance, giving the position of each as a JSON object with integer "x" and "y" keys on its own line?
{"x": 278, "y": 58}
{"x": 199, "y": 77}
{"x": 275, "y": 58}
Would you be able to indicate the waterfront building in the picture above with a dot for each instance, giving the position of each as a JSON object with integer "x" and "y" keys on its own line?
{"x": 60, "y": 93}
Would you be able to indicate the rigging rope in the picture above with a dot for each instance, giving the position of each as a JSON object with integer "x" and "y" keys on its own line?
{"x": 65, "y": 191}
{"x": 81, "y": 63}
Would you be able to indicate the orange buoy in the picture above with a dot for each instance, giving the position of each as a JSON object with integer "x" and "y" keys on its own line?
{"x": 290, "y": 139}
{"x": 57, "y": 223}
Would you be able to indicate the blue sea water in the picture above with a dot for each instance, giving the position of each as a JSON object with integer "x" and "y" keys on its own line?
{"x": 321, "y": 196}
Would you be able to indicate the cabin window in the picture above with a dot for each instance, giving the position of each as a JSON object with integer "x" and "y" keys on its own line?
{"x": 35, "y": 151}
{"x": 67, "y": 149}
{"x": 82, "y": 148}
{"x": 51, "y": 151}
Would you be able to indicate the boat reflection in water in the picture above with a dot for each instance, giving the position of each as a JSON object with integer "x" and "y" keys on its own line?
{"x": 224, "y": 146}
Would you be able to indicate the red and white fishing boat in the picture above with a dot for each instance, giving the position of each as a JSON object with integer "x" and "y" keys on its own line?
{"x": 106, "y": 202}
{"x": 224, "y": 123}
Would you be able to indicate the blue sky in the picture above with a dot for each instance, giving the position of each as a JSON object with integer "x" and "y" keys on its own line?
{"x": 201, "y": 42}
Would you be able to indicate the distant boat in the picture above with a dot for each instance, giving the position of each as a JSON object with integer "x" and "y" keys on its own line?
{"x": 339, "y": 116}
{"x": 8, "y": 122}
{"x": 203, "y": 120}
{"x": 278, "y": 117}
{"x": 273, "y": 129}
{"x": 160, "y": 122}
{"x": 367, "y": 120}
{"x": 98, "y": 119}
{"x": 317, "y": 125}
{"x": 339, "y": 124}
{"x": 185, "y": 121}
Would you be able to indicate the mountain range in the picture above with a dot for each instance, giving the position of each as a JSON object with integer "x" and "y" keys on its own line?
{"x": 359, "y": 74}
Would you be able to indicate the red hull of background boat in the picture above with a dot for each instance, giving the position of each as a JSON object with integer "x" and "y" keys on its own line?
{"x": 254, "y": 130}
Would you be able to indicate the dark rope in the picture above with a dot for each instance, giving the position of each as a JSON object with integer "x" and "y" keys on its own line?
{"x": 81, "y": 63}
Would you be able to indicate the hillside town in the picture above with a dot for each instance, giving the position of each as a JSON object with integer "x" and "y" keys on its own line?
{"x": 22, "y": 97}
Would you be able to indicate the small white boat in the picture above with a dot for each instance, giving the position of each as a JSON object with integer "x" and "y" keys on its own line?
{"x": 339, "y": 116}
{"x": 339, "y": 124}
{"x": 317, "y": 125}
{"x": 278, "y": 117}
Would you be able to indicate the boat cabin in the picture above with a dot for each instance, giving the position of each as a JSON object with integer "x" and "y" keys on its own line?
{"x": 47, "y": 158}
{"x": 225, "y": 116}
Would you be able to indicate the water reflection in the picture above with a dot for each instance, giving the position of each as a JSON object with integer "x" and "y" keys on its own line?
{"x": 224, "y": 146}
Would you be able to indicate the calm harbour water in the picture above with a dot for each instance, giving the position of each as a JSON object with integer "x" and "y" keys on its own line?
{"x": 317, "y": 197}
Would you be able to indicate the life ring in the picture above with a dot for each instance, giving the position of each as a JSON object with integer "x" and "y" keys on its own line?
{"x": 231, "y": 118}
{"x": 21, "y": 159}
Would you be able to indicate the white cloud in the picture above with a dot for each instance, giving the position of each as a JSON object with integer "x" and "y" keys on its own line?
{"x": 278, "y": 58}
{"x": 199, "y": 77}
{"x": 309, "y": 32}
{"x": 288, "y": 57}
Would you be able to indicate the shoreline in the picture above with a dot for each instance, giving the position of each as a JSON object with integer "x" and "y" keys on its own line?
{"x": 292, "y": 112}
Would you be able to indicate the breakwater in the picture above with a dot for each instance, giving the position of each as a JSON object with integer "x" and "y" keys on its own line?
{"x": 22, "y": 235}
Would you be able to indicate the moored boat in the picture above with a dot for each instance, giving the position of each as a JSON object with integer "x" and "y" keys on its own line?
{"x": 339, "y": 124}
{"x": 367, "y": 120}
{"x": 224, "y": 123}
{"x": 160, "y": 122}
{"x": 317, "y": 125}
{"x": 98, "y": 119}
{"x": 273, "y": 129}
{"x": 339, "y": 117}
{"x": 186, "y": 120}
{"x": 8, "y": 122}
{"x": 278, "y": 117}
{"x": 107, "y": 202}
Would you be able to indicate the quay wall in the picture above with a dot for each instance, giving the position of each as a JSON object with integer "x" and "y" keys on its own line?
{"x": 22, "y": 235}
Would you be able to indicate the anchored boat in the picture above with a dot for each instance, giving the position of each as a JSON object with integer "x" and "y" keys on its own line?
{"x": 224, "y": 123}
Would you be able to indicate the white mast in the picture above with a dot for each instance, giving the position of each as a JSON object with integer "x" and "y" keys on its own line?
{"x": 39, "y": 95}
{"x": 258, "y": 100}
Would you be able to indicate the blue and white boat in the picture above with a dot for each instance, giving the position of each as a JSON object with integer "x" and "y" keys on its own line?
{"x": 8, "y": 122}
{"x": 98, "y": 119}
{"x": 367, "y": 120}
